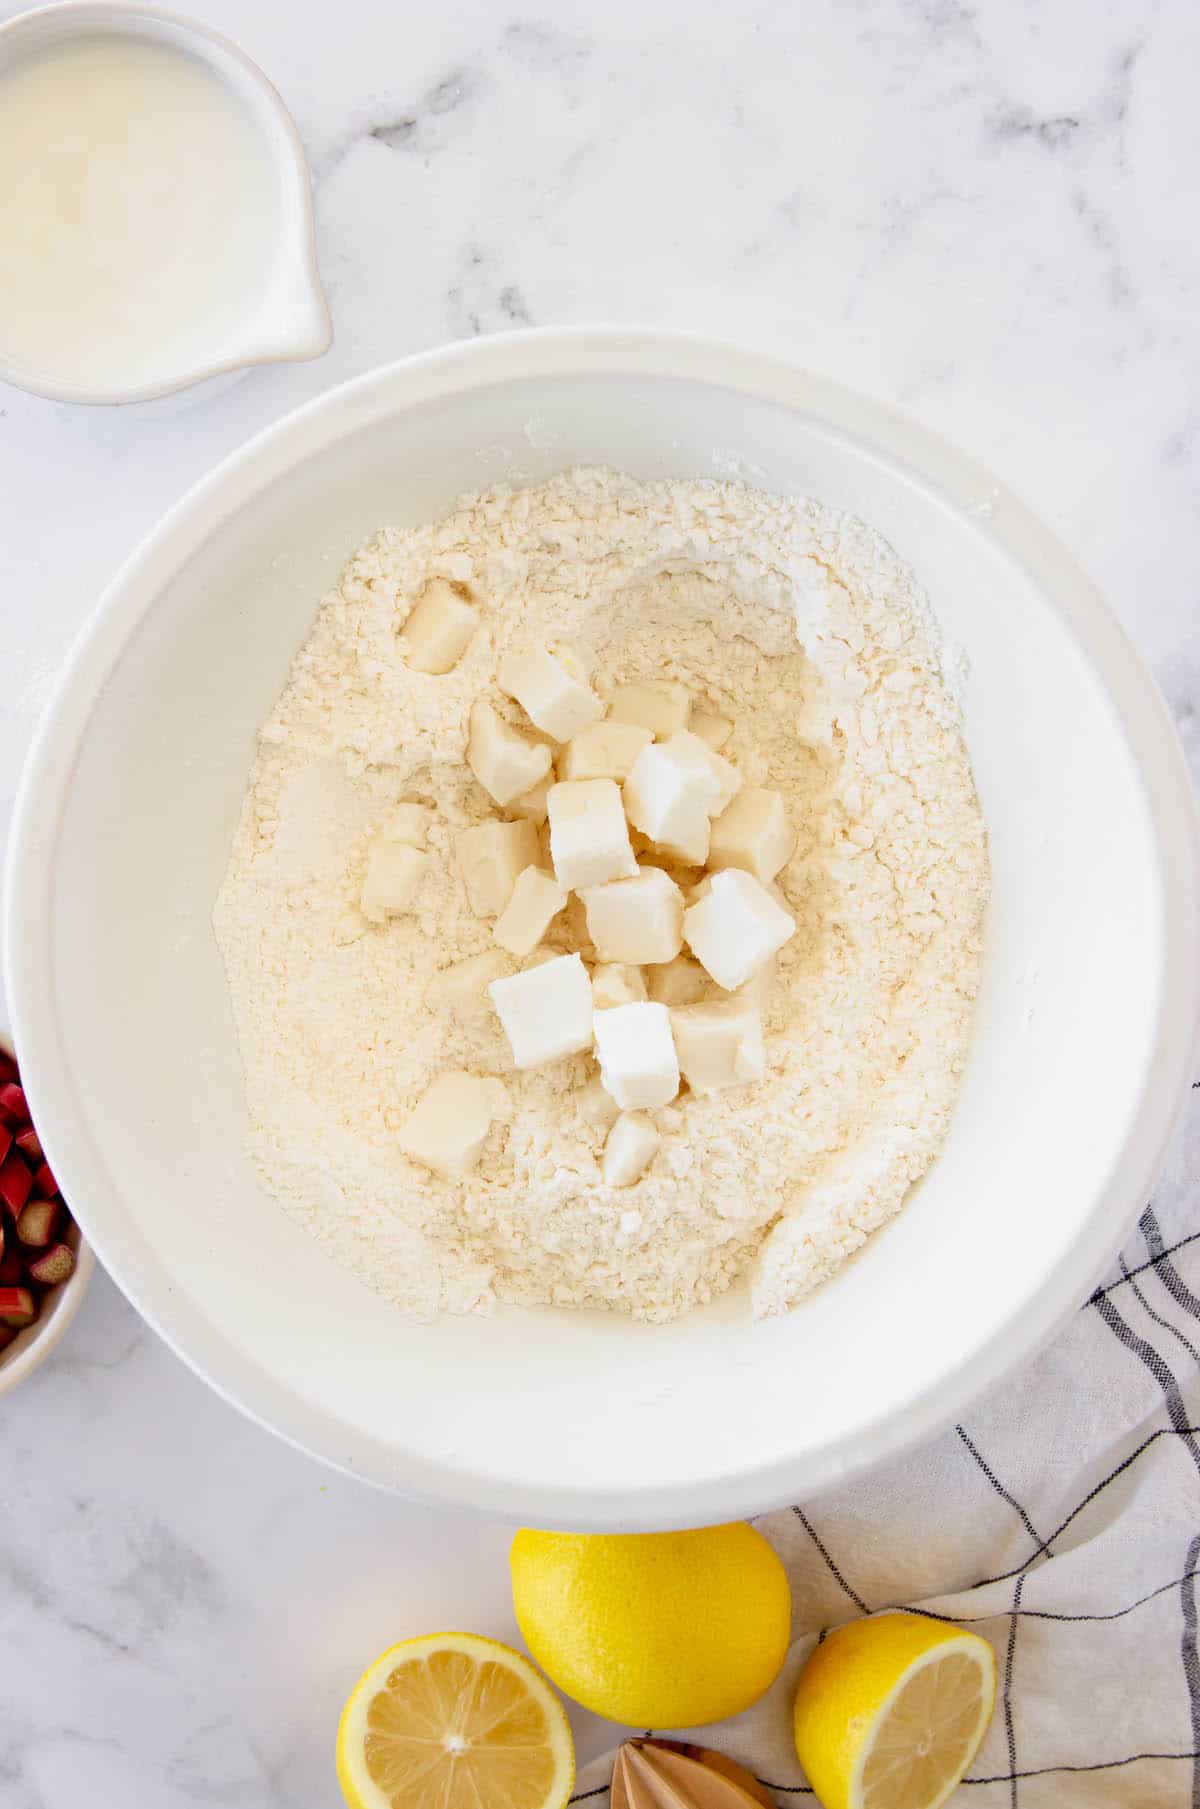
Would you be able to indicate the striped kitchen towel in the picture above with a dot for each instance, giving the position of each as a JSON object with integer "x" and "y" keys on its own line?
{"x": 1061, "y": 1521}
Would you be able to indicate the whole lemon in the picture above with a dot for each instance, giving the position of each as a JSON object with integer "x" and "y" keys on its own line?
{"x": 654, "y": 1629}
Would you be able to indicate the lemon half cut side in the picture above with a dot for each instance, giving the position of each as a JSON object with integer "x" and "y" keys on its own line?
{"x": 455, "y": 1721}
{"x": 891, "y": 1710}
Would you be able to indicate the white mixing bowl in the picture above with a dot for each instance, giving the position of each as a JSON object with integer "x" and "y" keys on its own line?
{"x": 1086, "y": 1023}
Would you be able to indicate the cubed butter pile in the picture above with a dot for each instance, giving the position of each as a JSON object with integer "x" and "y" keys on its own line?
{"x": 628, "y": 794}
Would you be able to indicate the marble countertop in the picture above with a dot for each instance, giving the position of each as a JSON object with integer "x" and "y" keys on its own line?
{"x": 981, "y": 210}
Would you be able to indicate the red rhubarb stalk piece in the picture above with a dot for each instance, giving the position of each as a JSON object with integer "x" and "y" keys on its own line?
{"x": 17, "y": 1306}
{"x": 44, "y": 1184}
{"x": 13, "y": 1109}
{"x": 37, "y": 1223}
{"x": 6, "y": 1141}
{"x": 29, "y": 1144}
{"x": 15, "y": 1182}
{"x": 12, "y": 1267}
{"x": 8, "y": 1067}
{"x": 58, "y": 1264}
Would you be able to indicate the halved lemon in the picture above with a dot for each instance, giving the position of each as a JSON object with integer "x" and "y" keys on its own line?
{"x": 453, "y": 1721}
{"x": 891, "y": 1710}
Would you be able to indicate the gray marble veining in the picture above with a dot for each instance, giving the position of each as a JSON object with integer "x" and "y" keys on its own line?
{"x": 983, "y": 212}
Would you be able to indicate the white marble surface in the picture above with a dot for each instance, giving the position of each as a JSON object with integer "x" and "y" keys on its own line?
{"x": 984, "y": 212}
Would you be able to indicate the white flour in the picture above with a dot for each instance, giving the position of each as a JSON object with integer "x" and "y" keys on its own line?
{"x": 802, "y": 626}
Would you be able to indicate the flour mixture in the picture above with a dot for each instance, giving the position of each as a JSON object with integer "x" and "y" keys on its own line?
{"x": 793, "y": 623}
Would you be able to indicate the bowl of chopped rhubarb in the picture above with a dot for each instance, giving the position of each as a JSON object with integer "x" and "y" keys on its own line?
{"x": 45, "y": 1266}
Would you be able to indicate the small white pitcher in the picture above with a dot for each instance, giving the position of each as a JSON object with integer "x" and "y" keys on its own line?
{"x": 286, "y": 318}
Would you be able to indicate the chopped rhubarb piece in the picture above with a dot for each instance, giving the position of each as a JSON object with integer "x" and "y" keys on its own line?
{"x": 8, "y": 1067}
{"x": 13, "y": 1109}
{"x": 6, "y": 1141}
{"x": 15, "y": 1182}
{"x": 37, "y": 1224}
{"x": 29, "y": 1144}
{"x": 44, "y": 1184}
{"x": 17, "y": 1305}
{"x": 7, "y": 1335}
{"x": 58, "y": 1264}
{"x": 12, "y": 1267}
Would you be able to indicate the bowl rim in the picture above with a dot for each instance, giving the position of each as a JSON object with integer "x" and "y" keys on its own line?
{"x": 955, "y": 479}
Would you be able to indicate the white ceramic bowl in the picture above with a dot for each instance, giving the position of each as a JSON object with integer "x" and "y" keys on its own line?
{"x": 31, "y": 1347}
{"x": 1086, "y": 1024}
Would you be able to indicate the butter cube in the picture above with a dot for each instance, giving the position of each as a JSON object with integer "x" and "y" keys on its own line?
{"x": 716, "y": 778}
{"x": 490, "y": 856}
{"x": 447, "y": 1129}
{"x": 546, "y": 1011}
{"x": 674, "y": 788}
{"x": 536, "y": 898}
{"x": 408, "y": 823}
{"x": 394, "y": 872}
{"x": 712, "y": 729}
{"x": 461, "y": 989}
{"x": 600, "y": 1110}
{"x": 637, "y": 1057}
{"x": 604, "y": 750}
{"x": 589, "y": 837}
{"x": 532, "y": 804}
{"x": 616, "y": 983}
{"x": 684, "y": 838}
{"x": 758, "y": 988}
{"x": 636, "y": 920}
{"x": 720, "y": 1044}
{"x": 661, "y": 708}
{"x": 736, "y": 927}
{"x": 506, "y": 761}
{"x": 679, "y": 982}
{"x": 552, "y": 689}
{"x": 439, "y": 628}
{"x": 631, "y": 1148}
{"x": 753, "y": 833}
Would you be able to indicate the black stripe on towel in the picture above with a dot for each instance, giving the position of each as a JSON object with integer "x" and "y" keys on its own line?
{"x": 1010, "y": 1732}
{"x": 1047, "y": 1771}
{"x": 811, "y": 1530}
{"x": 1042, "y": 1550}
{"x": 1004, "y": 1494}
{"x": 1037, "y": 1771}
{"x": 1159, "y": 1369}
{"x": 1165, "y": 1269}
{"x": 1140, "y": 1268}
{"x": 1191, "y": 1665}
{"x": 1099, "y": 1488}
{"x": 1167, "y": 1324}
{"x": 1154, "y": 1362}
{"x": 1049, "y": 1614}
